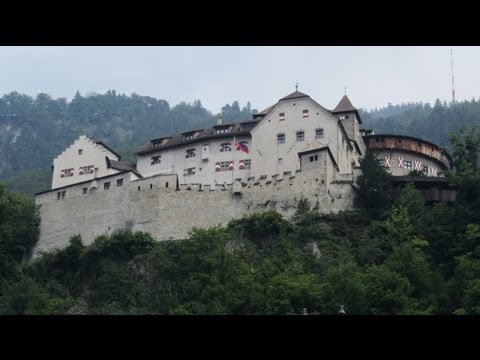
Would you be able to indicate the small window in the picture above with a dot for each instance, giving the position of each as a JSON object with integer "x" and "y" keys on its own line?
{"x": 63, "y": 194}
{"x": 305, "y": 113}
{"x": 280, "y": 161}
{"x": 85, "y": 190}
{"x": 151, "y": 186}
{"x": 157, "y": 143}
{"x": 189, "y": 171}
{"x": 281, "y": 139}
{"x": 407, "y": 164}
{"x": 80, "y": 151}
{"x": 156, "y": 160}
{"x": 425, "y": 170}
{"x": 119, "y": 182}
{"x": 166, "y": 184}
{"x": 319, "y": 134}
{"x": 225, "y": 147}
{"x": 85, "y": 170}
{"x": 247, "y": 163}
{"x": 300, "y": 136}
{"x": 59, "y": 195}
{"x": 190, "y": 153}
{"x": 66, "y": 172}
{"x": 224, "y": 166}
{"x": 342, "y": 117}
{"x": 138, "y": 188}
{"x": 313, "y": 158}
{"x": 188, "y": 136}
{"x": 281, "y": 116}
{"x": 381, "y": 162}
{"x": 222, "y": 130}
{"x": 106, "y": 185}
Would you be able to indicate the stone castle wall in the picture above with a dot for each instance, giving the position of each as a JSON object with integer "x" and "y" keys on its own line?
{"x": 168, "y": 213}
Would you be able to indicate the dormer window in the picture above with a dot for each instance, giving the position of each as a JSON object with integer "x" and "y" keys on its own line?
{"x": 222, "y": 130}
{"x": 190, "y": 153}
{"x": 188, "y": 136}
{"x": 225, "y": 147}
{"x": 157, "y": 143}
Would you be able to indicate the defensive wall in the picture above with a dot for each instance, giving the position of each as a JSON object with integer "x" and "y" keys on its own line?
{"x": 158, "y": 206}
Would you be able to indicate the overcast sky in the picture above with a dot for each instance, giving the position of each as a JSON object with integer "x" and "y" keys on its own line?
{"x": 374, "y": 76}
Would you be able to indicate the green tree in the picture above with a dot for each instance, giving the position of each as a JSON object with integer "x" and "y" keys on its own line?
{"x": 372, "y": 185}
{"x": 466, "y": 174}
{"x": 19, "y": 227}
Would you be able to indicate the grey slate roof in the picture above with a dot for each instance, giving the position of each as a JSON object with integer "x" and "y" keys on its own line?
{"x": 344, "y": 105}
{"x": 201, "y": 135}
{"x": 122, "y": 166}
{"x": 264, "y": 112}
{"x": 99, "y": 142}
{"x": 294, "y": 95}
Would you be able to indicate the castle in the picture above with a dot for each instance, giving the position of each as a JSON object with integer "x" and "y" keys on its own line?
{"x": 294, "y": 149}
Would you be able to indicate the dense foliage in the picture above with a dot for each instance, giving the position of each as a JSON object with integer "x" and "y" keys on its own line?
{"x": 432, "y": 123}
{"x": 405, "y": 258}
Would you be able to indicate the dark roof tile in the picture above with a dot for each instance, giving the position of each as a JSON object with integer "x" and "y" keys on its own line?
{"x": 294, "y": 95}
{"x": 236, "y": 129}
{"x": 344, "y": 105}
{"x": 122, "y": 166}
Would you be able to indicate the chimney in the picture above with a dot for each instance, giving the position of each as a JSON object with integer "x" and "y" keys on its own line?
{"x": 219, "y": 119}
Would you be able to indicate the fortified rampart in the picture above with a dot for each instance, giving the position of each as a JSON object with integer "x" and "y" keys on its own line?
{"x": 155, "y": 205}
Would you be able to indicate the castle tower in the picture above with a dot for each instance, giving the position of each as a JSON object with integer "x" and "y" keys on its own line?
{"x": 350, "y": 118}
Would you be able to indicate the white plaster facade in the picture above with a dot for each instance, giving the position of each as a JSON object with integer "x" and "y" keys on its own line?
{"x": 84, "y": 160}
{"x": 277, "y": 139}
{"x": 200, "y": 168}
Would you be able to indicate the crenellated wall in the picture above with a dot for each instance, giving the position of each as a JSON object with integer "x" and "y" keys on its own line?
{"x": 170, "y": 213}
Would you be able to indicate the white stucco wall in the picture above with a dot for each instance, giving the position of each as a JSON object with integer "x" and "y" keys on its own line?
{"x": 174, "y": 161}
{"x": 266, "y": 151}
{"x": 92, "y": 154}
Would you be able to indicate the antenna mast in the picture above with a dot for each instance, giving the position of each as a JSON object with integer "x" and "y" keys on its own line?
{"x": 453, "y": 83}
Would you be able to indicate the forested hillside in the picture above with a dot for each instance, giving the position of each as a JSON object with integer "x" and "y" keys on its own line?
{"x": 33, "y": 131}
{"x": 422, "y": 120}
